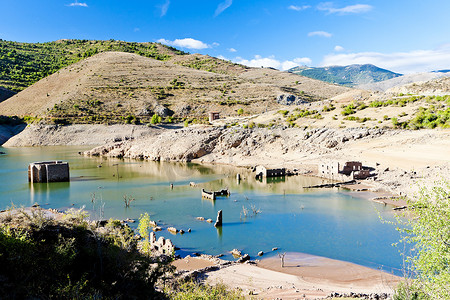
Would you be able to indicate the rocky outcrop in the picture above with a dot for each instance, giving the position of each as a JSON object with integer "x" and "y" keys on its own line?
{"x": 286, "y": 99}
{"x": 218, "y": 143}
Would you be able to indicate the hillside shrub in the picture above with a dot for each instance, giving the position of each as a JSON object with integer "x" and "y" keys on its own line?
{"x": 156, "y": 119}
{"x": 42, "y": 258}
{"x": 429, "y": 233}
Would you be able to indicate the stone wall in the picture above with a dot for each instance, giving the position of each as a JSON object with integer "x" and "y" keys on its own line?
{"x": 48, "y": 171}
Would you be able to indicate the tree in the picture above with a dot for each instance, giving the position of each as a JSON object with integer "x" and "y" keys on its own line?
{"x": 429, "y": 233}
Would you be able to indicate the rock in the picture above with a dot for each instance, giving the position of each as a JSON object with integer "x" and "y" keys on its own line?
{"x": 152, "y": 223}
{"x": 260, "y": 253}
{"x": 287, "y": 99}
{"x": 181, "y": 231}
{"x": 331, "y": 143}
{"x": 236, "y": 253}
{"x": 189, "y": 230}
{"x": 244, "y": 258}
{"x": 209, "y": 221}
{"x": 200, "y": 218}
{"x": 157, "y": 228}
{"x": 218, "y": 219}
{"x": 274, "y": 248}
{"x": 129, "y": 220}
{"x": 172, "y": 230}
{"x": 162, "y": 111}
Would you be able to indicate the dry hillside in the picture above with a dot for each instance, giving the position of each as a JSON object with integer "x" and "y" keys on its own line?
{"x": 113, "y": 87}
{"x": 439, "y": 86}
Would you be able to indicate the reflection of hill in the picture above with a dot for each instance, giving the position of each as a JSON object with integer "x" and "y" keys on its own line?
{"x": 292, "y": 184}
{"x": 217, "y": 176}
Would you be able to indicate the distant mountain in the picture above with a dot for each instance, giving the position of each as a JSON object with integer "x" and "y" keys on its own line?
{"x": 351, "y": 75}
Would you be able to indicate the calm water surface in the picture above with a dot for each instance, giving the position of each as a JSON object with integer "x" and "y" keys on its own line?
{"x": 331, "y": 223}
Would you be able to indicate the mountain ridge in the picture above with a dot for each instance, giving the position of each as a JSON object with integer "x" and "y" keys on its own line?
{"x": 351, "y": 75}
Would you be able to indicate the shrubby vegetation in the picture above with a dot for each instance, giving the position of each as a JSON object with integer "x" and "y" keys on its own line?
{"x": 43, "y": 258}
{"x": 22, "y": 64}
{"x": 429, "y": 231}
{"x": 191, "y": 290}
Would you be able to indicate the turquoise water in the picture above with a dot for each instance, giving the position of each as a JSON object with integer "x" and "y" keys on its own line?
{"x": 331, "y": 223}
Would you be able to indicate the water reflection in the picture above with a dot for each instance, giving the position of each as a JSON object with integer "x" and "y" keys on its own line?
{"x": 321, "y": 222}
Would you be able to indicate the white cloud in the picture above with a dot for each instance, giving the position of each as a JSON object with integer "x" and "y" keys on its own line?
{"x": 303, "y": 61}
{"x": 165, "y": 8}
{"x": 188, "y": 43}
{"x": 76, "y": 3}
{"x": 222, "y": 7}
{"x": 401, "y": 62}
{"x": 339, "y": 48}
{"x": 351, "y": 9}
{"x": 232, "y": 50}
{"x": 259, "y": 61}
{"x": 320, "y": 33}
{"x": 298, "y": 8}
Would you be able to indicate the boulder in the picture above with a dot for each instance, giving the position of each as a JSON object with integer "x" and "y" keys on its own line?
{"x": 236, "y": 253}
{"x": 172, "y": 230}
{"x": 243, "y": 258}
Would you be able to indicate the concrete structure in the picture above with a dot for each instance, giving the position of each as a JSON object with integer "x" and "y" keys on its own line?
{"x": 212, "y": 195}
{"x": 351, "y": 170}
{"x": 214, "y": 115}
{"x": 218, "y": 219}
{"x": 162, "y": 245}
{"x": 48, "y": 171}
{"x": 262, "y": 171}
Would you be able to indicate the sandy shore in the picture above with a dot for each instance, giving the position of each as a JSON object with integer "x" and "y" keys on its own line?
{"x": 303, "y": 276}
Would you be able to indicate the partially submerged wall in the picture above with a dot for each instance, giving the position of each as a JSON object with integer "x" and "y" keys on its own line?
{"x": 48, "y": 171}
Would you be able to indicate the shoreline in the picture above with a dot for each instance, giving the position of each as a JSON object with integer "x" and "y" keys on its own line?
{"x": 303, "y": 275}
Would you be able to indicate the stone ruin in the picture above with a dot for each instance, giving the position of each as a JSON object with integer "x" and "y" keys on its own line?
{"x": 350, "y": 170}
{"x": 162, "y": 245}
{"x": 48, "y": 171}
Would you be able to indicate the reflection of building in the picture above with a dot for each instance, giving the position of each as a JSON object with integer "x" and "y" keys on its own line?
{"x": 262, "y": 171}
{"x": 48, "y": 171}
{"x": 214, "y": 115}
{"x": 351, "y": 170}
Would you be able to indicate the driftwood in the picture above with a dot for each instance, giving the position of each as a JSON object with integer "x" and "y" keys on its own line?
{"x": 330, "y": 185}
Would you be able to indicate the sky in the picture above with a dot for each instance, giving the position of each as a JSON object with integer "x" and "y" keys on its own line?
{"x": 404, "y": 36}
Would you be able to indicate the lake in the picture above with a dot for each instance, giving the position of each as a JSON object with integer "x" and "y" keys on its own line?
{"x": 327, "y": 222}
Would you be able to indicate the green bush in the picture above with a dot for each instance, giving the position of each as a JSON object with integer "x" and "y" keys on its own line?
{"x": 156, "y": 119}
{"x": 191, "y": 291}
{"x": 42, "y": 258}
{"x": 429, "y": 233}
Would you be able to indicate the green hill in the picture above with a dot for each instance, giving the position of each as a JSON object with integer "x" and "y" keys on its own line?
{"x": 351, "y": 75}
{"x": 22, "y": 64}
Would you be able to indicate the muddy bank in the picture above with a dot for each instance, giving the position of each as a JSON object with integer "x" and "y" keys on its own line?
{"x": 76, "y": 135}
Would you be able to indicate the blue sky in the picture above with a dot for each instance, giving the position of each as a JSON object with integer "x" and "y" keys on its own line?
{"x": 403, "y": 36}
